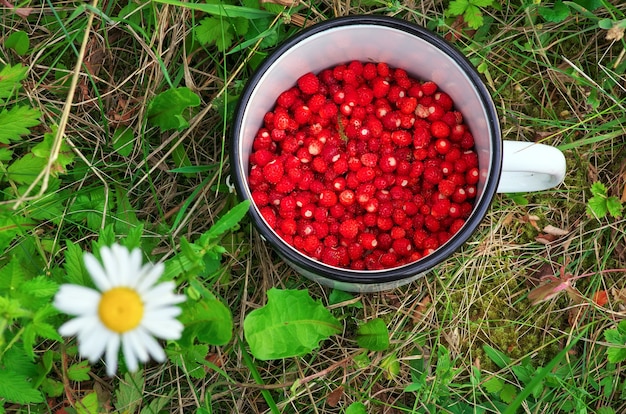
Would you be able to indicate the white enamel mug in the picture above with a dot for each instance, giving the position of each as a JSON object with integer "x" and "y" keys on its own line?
{"x": 508, "y": 166}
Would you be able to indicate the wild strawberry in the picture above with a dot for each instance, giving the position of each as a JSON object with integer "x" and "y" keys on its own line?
{"x": 440, "y": 209}
{"x": 327, "y": 198}
{"x": 320, "y": 229}
{"x": 311, "y": 243}
{"x": 456, "y": 226}
{"x": 316, "y": 102}
{"x": 302, "y": 114}
{"x": 472, "y": 176}
{"x": 439, "y": 129}
{"x": 371, "y": 205}
{"x": 401, "y": 138}
{"x": 459, "y": 195}
{"x": 365, "y": 174}
{"x": 346, "y": 197}
{"x": 349, "y": 229}
{"x": 287, "y": 98}
{"x": 273, "y": 172}
{"x": 285, "y": 185}
{"x": 407, "y": 104}
{"x": 446, "y": 188}
{"x": 422, "y": 111}
{"x": 470, "y": 190}
{"x": 308, "y": 83}
{"x": 395, "y": 93}
{"x": 384, "y": 223}
{"x": 444, "y": 100}
{"x": 367, "y": 241}
{"x": 435, "y": 113}
{"x": 467, "y": 141}
{"x": 369, "y": 71}
{"x": 288, "y": 226}
{"x": 432, "y": 224}
{"x": 402, "y": 246}
{"x": 432, "y": 175}
{"x": 415, "y": 90}
{"x": 389, "y": 259}
{"x": 442, "y": 146}
{"x": 455, "y": 210}
{"x": 369, "y": 159}
{"x": 269, "y": 215}
{"x": 429, "y": 88}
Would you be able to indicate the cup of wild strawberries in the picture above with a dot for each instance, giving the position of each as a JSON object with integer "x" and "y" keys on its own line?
{"x": 371, "y": 150}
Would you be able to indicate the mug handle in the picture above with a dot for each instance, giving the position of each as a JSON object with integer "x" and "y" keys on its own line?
{"x": 527, "y": 166}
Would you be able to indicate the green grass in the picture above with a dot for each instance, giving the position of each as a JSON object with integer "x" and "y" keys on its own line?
{"x": 463, "y": 339}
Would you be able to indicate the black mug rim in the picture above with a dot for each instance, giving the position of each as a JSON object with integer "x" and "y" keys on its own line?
{"x": 408, "y": 271}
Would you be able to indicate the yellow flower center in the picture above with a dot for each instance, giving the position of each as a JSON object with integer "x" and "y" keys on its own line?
{"x": 120, "y": 309}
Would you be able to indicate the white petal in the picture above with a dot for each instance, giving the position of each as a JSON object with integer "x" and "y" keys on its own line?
{"x": 162, "y": 295}
{"x": 164, "y": 329}
{"x": 162, "y": 314}
{"x": 138, "y": 345}
{"x": 126, "y": 275}
{"x": 97, "y": 272}
{"x": 134, "y": 267}
{"x": 151, "y": 345}
{"x": 113, "y": 347}
{"x": 92, "y": 345}
{"x": 129, "y": 352}
{"x": 76, "y": 325}
{"x": 77, "y": 300}
{"x": 111, "y": 266}
{"x": 150, "y": 274}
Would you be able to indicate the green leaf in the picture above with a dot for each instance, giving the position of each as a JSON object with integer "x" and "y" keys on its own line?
{"x": 74, "y": 266}
{"x": 457, "y": 7}
{"x": 214, "y": 30}
{"x": 482, "y": 3}
{"x": 88, "y": 405}
{"x": 598, "y": 189}
{"x": 13, "y": 276}
{"x": 508, "y": 393}
{"x": 291, "y": 324}
{"x": 129, "y": 393}
{"x": 39, "y": 287}
{"x": 65, "y": 155}
{"x": 373, "y": 335}
{"x": 209, "y": 320}
{"x": 605, "y": 24}
{"x": 10, "y": 78}
{"x": 26, "y": 169}
{"x": 356, "y": 408}
{"x": 473, "y": 16}
{"x": 191, "y": 359}
{"x": 498, "y": 358}
{"x": 166, "y": 109}
{"x": 79, "y": 371}
{"x": 15, "y": 122}
{"x": 18, "y": 389}
{"x": 614, "y": 206}
{"x": 556, "y": 14}
{"x": 123, "y": 139}
{"x": 338, "y": 296}
{"x": 11, "y": 226}
{"x": 18, "y": 41}
{"x": 493, "y": 385}
{"x": 228, "y": 221}
{"x": 590, "y": 5}
{"x": 597, "y": 207}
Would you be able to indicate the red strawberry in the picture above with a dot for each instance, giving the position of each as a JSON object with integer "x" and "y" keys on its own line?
{"x": 308, "y": 83}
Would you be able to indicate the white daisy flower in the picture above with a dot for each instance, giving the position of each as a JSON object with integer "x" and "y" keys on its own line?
{"x": 128, "y": 309}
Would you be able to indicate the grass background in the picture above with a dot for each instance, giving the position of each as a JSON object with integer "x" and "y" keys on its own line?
{"x": 561, "y": 83}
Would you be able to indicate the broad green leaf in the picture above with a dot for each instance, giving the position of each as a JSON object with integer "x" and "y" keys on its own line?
{"x": 74, "y": 266}
{"x": 129, "y": 393}
{"x": 482, "y": 3}
{"x": 356, "y": 408}
{"x": 457, "y": 7}
{"x": 192, "y": 359}
{"x": 493, "y": 385}
{"x": 338, "y": 296}
{"x": 390, "y": 366}
{"x": 616, "y": 355}
{"x": 10, "y": 78}
{"x": 555, "y": 14}
{"x": 65, "y": 156}
{"x": 210, "y": 321}
{"x": 290, "y": 324}
{"x": 605, "y": 24}
{"x": 79, "y": 371}
{"x": 13, "y": 276}
{"x": 598, "y": 189}
{"x": 227, "y": 221}
{"x": 614, "y": 206}
{"x": 26, "y": 169}
{"x": 214, "y": 30}
{"x": 14, "y": 123}
{"x": 373, "y": 335}
{"x": 18, "y": 41}
{"x": 498, "y": 358}
{"x": 597, "y": 206}
{"x": 39, "y": 287}
{"x": 508, "y": 393}
{"x": 473, "y": 16}
{"x": 590, "y": 5}
{"x": 88, "y": 405}
{"x": 18, "y": 389}
{"x": 165, "y": 110}
{"x": 123, "y": 139}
